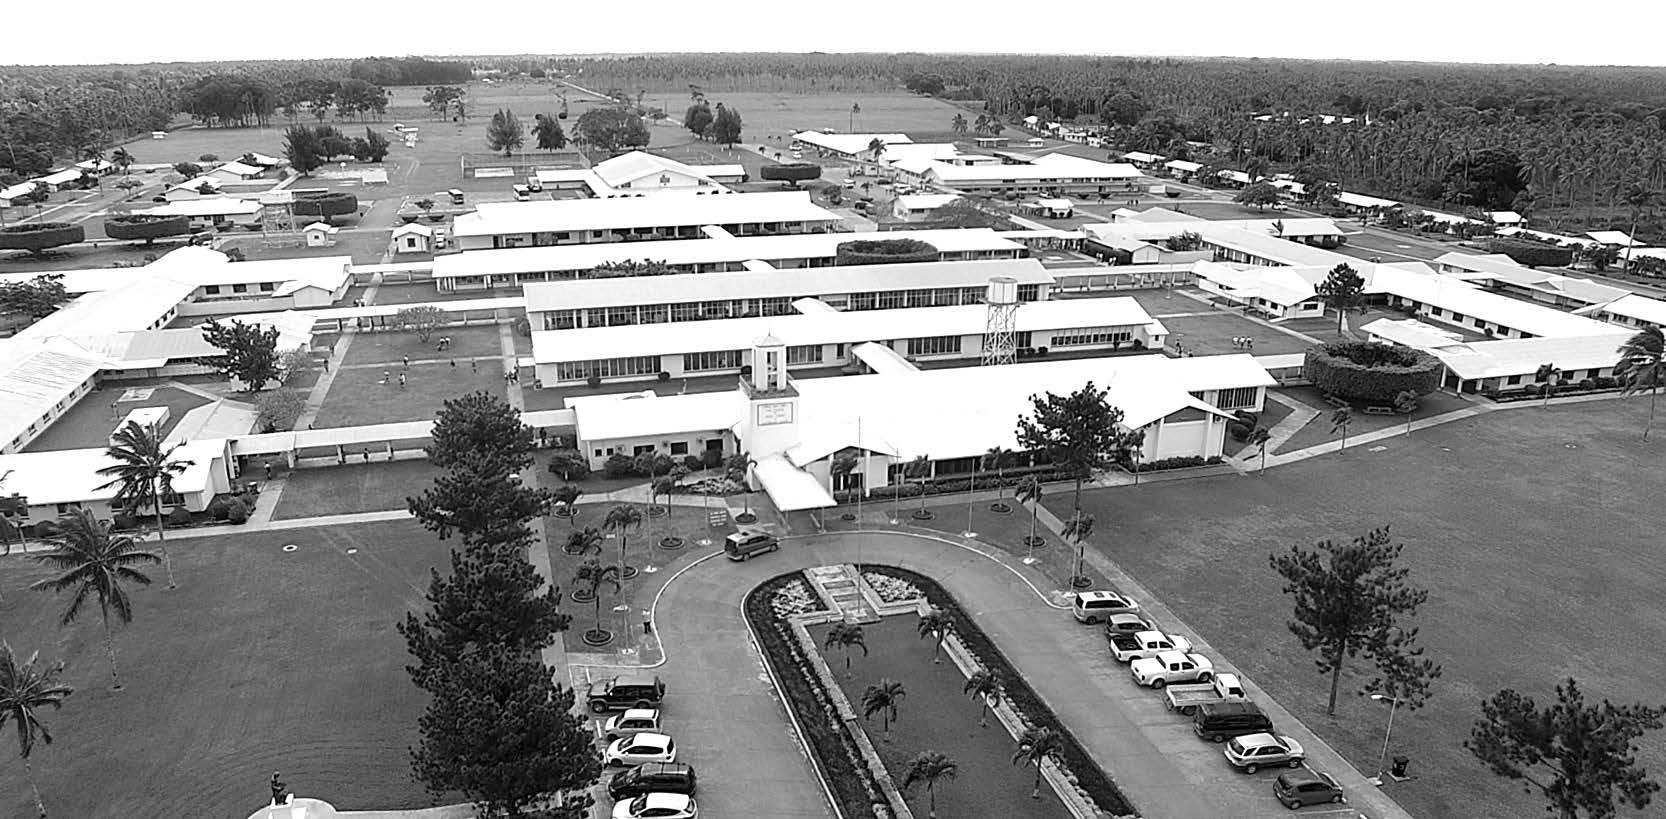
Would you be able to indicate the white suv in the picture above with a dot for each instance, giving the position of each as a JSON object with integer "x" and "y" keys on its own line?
{"x": 1097, "y": 606}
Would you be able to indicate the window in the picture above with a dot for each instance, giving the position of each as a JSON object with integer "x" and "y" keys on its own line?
{"x": 889, "y": 301}
{"x": 1091, "y": 336}
{"x": 863, "y": 301}
{"x": 643, "y": 449}
{"x": 1514, "y": 379}
{"x": 607, "y": 368}
{"x": 934, "y": 345}
{"x": 618, "y": 316}
{"x": 689, "y": 311}
{"x": 239, "y": 288}
{"x": 598, "y": 453}
{"x": 561, "y": 319}
{"x": 679, "y": 447}
{"x": 652, "y": 314}
{"x": 804, "y": 354}
{"x": 267, "y": 287}
{"x": 595, "y": 317}
{"x": 211, "y": 290}
{"x": 714, "y": 444}
{"x": 711, "y": 360}
{"x": 1235, "y": 398}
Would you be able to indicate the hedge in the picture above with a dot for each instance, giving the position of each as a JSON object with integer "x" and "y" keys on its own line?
{"x": 1018, "y": 694}
{"x": 1532, "y": 254}
{"x": 1374, "y": 373}
{"x": 148, "y": 228}
{"x": 326, "y": 205}
{"x": 794, "y": 172}
{"x": 40, "y": 236}
{"x": 885, "y": 251}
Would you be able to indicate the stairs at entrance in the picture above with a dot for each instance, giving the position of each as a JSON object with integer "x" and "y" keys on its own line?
{"x": 842, "y": 586}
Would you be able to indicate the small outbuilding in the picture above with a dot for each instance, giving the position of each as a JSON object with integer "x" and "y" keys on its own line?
{"x": 320, "y": 235}
{"x": 413, "y": 238}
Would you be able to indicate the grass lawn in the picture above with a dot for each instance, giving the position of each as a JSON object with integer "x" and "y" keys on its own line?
{"x": 1529, "y": 528}
{"x": 354, "y": 487}
{"x": 261, "y": 660}
{"x": 356, "y": 398}
{"x": 387, "y": 348}
{"x": 1318, "y": 430}
{"x": 1213, "y": 334}
{"x": 1270, "y": 417}
{"x": 935, "y": 714}
{"x": 90, "y": 422}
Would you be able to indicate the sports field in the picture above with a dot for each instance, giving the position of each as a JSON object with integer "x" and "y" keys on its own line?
{"x": 1534, "y": 531}
{"x": 261, "y": 660}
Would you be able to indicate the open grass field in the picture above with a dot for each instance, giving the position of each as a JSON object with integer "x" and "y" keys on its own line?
{"x": 1531, "y": 529}
{"x": 90, "y": 422}
{"x": 353, "y": 487}
{"x": 358, "y": 397}
{"x": 936, "y": 715}
{"x": 261, "y": 660}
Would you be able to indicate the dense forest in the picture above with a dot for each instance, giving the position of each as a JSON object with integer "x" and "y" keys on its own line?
{"x": 1578, "y": 141}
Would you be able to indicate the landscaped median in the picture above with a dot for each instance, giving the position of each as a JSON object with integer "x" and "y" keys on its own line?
{"x": 866, "y": 769}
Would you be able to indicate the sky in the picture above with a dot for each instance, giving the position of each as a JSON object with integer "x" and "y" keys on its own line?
{"x": 1595, "y": 32}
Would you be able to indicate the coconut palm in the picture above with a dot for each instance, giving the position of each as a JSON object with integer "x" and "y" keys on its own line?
{"x": 121, "y": 159}
{"x": 958, "y": 124}
{"x": 1034, "y": 747}
{"x": 883, "y": 698}
{"x": 1029, "y": 491}
{"x": 1546, "y": 376}
{"x": 919, "y": 469}
{"x": 144, "y": 471}
{"x": 743, "y": 462}
{"x": 662, "y": 488}
{"x": 1642, "y": 366}
{"x": 984, "y": 687}
{"x": 841, "y": 466}
{"x": 1339, "y": 421}
{"x": 581, "y": 541}
{"x": 1079, "y": 528}
{"x": 593, "y": 575}
{"x": 621, "y": 520}
{"x": 995, "y": 459}
{"x": 567, "y": 495}
{"x": 94, "y": 564}
{"x": 25, "y": 690}
{"x": 846, "y": 636}
{"x": 928, "y": 769}
{"x": 936, "y": 625}
{"x": 1259, "y": 439}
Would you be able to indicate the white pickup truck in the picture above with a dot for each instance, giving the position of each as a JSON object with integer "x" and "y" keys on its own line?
{"x": 1140, "y": 645}
{"x": 1172, "y": 667}
{"x": 1186, "y": 698}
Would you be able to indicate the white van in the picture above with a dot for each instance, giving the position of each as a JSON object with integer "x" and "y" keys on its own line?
{"x": 522, "y": 193}
{"x": 743, "y": 545}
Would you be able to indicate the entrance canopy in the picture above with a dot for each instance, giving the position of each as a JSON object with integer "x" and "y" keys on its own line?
{"x": 791, "y": 489}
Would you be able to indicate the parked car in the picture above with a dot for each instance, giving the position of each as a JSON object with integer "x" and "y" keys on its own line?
{"x": 625, "y": 691}
{"x": 1187, "y": 698}
{"x": 1094, "y": 606}
{"x": 743, "y": 545}
{"x": 630, "y": 721}
{"x": 657, "y": 806}
{"x": 1126, "y": 623}
{"x": 1172, "y": 667}
{"x": 1252, "y": 752}
{"x": 640, "y": 748}
{"x": 1306, "y": 787}
{"x": 1221, "y": 721}
{"x": 1140, "y": 645}
{"x": 652, "y": 777}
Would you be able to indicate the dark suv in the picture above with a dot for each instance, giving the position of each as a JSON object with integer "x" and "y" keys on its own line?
{"x": 653, "y": 777}
{"x": 625, "y": 691}
{"x": 1221, "y": 721}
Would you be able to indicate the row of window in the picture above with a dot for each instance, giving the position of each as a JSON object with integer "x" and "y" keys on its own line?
{"x": 215, "y": 289}
{"x": 1091, "y": 336}
{"x": 712, "y": 360}
{"x": 547, "y": 239}
{"x": 607, "y": 368}
{"x": 775, "y": 306}
{"x": 805, "y": 354}
{"x": 934, "y": 345}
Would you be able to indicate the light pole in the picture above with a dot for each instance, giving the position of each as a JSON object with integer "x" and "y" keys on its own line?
{"x": 1382, "y": 760}
{"x": 970, "y": 489}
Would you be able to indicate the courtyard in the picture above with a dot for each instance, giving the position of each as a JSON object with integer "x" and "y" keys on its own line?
{"x": 261, "y": 660}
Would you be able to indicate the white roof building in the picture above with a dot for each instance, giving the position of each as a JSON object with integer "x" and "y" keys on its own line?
{"x": 202, "y": 185}
{"x": 237, "y": 170}
{"x": 1054, "y": 169}
{"x": 18, "y": 191}
{"x": 37, "y": 379}
{"x": 57, "y": 178}
{"x": 681, "y": 210}
{"x": 847, "y": 145}
{"x": 1143, "y": 158}
{"x": 207, "y": 206}
{"x": 1360, "y": 200}
{"x": 1629, "y": 310}
{"x": 1183, "y": 166}
{"x": 1616, "y": 238}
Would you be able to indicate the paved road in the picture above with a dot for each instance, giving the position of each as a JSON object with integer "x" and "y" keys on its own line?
{"x": 733, "y": 729}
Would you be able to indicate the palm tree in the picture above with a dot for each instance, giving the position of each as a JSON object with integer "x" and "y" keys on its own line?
{"x": 1029, "y": 491}
{"x": 743, "y": 462}
{"x": 984, "y": 687}
{"x": 95, "y": 564}
{"x": 928, "y": 768}
{"x": 1034, "y": 747}
{"x": 1642, "y": 366}
{"x": 622, "y": 519}
{"x": 1079, "y": 528}
{"x": 845, "y": 635}
{"x": 995, "y": 458}
{"x": 883, "y": 699}
{"x": 842, "y": 465}
{"x": 919, "y": 469}
{"x": 1547, "y": 375}
{"x": 662, "y": 488}
{"x": 958, "y": 124}
{"x": 1339, "y": 421}
{"x": 1405, "y": 403}
{"x": 567, "y": 495}
{"x": 121, "y": 159}
{"x": 144, "y": 471}
{"x": 24, "y": 690}
{"x": 1638, "y": 197}
{"x": 855, "y": 108}
{"x": 580, "y": 541}
{"x": 592, "y": 575}
{"x": 1258, "y": 439}
{"x": 937, "y": 625}
{"x": 876, "y": 146}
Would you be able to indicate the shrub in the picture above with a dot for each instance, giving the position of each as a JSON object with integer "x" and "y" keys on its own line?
{"x": 180, "y": 516}
{"x": 663, "y": 376}
{"x": 593, "y": 381}
{"x": 1177, "y": 462}
{"x": 1373, "y": 373}
{"x": 619, "y": 466}
{"x": 122, "y": 521}
{"x": 219, "y": 509}
{"x": 1239, "y": 430}
{"x": 711, "y": 459}
{"x": 1250, "y": 418}
{"x": 791, "y": 172}
{"x": 40, "y": 236}
{"x": 1532, "y": 254}
{"x": 148, "y": 228}
{"x": 236, "y": 512}
{"x": 885, "y": 251}
{"x": 693, "y": 463}
{"x": 45, "y": 528}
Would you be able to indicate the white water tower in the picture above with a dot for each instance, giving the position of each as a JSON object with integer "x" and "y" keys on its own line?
{"x": 1000, "y": 340}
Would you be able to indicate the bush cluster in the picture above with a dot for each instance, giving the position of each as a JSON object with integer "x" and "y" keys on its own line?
{"x": 1532, "y": 254}
{"x": 885, "y": 251}
{"x": 37, "y": 236}
{"x": 1374, "y": 373}
{"x": 1177, "y": 462}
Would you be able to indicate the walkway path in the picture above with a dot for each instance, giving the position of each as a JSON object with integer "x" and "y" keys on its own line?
{"x": 1289, "y": 425}
{"x": 750, "y": 767}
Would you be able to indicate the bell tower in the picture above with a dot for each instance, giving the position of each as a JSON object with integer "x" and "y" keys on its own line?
{"x": 773, "y": 420}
